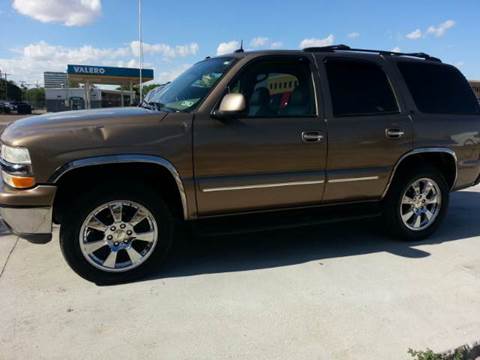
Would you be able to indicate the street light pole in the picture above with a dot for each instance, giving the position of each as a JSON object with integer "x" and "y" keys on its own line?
{"x": 140, "y": 50}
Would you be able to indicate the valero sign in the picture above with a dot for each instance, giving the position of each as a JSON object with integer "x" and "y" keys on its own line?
{"x": 108, "y": 71}
{"x": 88, "y": 70}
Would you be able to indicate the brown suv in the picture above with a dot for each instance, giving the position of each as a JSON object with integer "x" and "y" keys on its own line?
{"x": 245, "y": 133}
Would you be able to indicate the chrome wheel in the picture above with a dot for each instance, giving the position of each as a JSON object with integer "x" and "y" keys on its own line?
{"x": 118, "y": 236}
{"x": 421, "y": 204}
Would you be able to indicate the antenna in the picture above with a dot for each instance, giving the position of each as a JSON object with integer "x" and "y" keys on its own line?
{"x": 241, "y": 47}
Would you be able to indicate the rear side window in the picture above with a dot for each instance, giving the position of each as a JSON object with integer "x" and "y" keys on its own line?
{"x": 359, "y": 88}
{"x": 438, "y": 88}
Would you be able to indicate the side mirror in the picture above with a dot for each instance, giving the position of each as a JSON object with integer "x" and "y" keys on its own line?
{"x": 231, "y": 106}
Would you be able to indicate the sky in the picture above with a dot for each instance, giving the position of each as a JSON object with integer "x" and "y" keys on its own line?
{"x": 46, "y": 35}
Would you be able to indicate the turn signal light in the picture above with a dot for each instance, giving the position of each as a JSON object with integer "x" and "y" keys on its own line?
{"x": 19, "y": 182}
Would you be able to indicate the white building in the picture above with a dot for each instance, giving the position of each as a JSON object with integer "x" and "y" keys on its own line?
{"x": 476, "y": 87}
{"x": 62, "y": 99}
{"x": 53, "y": 79}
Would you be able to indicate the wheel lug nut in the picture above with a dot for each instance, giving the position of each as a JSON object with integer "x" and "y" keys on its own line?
{"x": 116, "y": 243}
{"x": 122, "y": 226}
{"x": 109, "y": 237}
{"x": 125, "y": 241}
{"x": 129, "y": 232}
{"x": 113, "y": 228}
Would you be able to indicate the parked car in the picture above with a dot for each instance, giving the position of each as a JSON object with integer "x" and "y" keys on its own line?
{"x": 22, "y": 108}
{"x": 18, "y": 107}
{"x": 6, "y": 107}
{"x": 249, "y": 137}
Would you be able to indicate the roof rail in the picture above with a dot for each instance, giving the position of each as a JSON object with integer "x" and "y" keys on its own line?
{"x": 341, "y": 47}
{"x": 329, "y": 48}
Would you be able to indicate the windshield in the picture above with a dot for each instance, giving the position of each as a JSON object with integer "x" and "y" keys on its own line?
{"x": 190, "y": 88}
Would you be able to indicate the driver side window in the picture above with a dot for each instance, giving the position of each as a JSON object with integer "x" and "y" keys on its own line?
{"x": 277, "y": 88}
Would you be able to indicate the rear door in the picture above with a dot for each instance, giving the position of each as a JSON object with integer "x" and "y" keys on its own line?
{"x": 369, "y": 128}
{"x": 275, "y": 155}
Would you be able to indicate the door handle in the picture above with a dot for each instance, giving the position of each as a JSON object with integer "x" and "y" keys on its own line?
{"x": 394, "y": 133}
{"x": 311, "y": 136}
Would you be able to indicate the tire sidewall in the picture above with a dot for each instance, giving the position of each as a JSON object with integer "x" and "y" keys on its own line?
{"x": 71, "y": 227}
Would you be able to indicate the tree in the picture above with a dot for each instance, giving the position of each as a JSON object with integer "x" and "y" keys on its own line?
{"x": 34, "y": 95}
{"x": 148, "y": 88}
{"x": 13, "y": 92}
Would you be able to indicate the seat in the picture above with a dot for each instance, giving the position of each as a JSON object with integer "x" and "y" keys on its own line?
{"x": 260, "y": 103}
{"x": 299, "y": 104}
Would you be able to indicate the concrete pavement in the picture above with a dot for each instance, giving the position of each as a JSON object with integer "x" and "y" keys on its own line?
{"x": 341, "y": 291}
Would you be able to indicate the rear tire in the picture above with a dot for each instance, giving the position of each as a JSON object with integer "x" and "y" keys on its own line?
{"x": 116, "y": 234}
{"x": 417, "y": 203}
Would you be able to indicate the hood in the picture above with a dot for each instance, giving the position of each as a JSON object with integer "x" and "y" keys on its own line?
{"x": 73, "y": 120}
{"x": 54, "y": 140}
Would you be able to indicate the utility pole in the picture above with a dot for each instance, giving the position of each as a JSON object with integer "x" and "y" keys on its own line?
{"x": 140, "y": 50}
{"x": 4, "y": 84}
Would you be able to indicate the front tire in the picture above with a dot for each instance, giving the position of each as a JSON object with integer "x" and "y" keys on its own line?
{"x": 114, "y": 235}
{"x": 417, "y": 203}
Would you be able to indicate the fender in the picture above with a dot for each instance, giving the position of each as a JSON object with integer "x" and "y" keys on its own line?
{"x": 443, "y": 150}
{"x": 125, "y": 159}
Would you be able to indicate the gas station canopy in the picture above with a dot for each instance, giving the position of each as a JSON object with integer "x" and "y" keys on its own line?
{"x": 107, "y": 74}
{"x": 88, "y": 75}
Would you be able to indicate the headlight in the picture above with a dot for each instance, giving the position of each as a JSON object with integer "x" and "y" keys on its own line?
{"x": 15, "y": 155}
{"x": 16, "y": 167}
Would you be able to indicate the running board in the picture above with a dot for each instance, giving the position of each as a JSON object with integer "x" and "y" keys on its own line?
{"x": 278, "y": 220}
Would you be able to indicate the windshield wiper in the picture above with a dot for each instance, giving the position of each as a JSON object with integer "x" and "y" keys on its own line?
{"x": 159, "y": 106}
{"x": 152, "y": 105}
{"x": 147, "y": 105}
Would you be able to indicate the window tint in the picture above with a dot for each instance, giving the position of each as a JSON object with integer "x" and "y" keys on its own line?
{"x": 438, "y": 88}
{"x": 359, "y": 88}
{"x": 278, "y": 88}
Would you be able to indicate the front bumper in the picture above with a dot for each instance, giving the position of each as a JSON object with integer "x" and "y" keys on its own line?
{"x": 28, "y": 213}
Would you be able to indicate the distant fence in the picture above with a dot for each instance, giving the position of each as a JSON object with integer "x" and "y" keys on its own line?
{"x": 59, "y": 105}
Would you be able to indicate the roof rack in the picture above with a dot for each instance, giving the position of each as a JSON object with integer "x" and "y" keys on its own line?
{"x": 341, "y": 47}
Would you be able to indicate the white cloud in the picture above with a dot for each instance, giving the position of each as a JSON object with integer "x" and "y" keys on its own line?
{"x": 265, "y": 42}
{"x": 43, "y": 51}
{"x": 313, "y": 42}
{"x": 353, "y": 35}
{"x": 259, "y": 42}
{"x": 414, "y": 35}
{"x": 396, "y": 49}
{"x": 437, "y": 31}
{"x": 166, "y": 76}
{"x": 29, "y": 62}
{"x": 165, "y": 50}
{"x": 228, "y": 47}
{"x": 441, "y": 29}
{"x": 276, "y": 45}
{"x": 68, "y": 12}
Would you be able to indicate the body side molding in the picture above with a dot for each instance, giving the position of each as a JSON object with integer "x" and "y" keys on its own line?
{"x": 125, "y": 159}
{"x": 444, "y": 150}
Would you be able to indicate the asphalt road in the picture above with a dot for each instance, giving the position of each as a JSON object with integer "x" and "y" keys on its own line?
{"x": 341, "y": 291}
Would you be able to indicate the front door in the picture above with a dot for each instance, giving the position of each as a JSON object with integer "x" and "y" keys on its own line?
{"x": 274, "y": 156}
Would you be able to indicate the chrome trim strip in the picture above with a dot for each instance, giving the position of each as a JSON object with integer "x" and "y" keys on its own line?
{"x": 366, "y": 178}
{"x": 262, "y": 186}
{"x": 125, "y": 159}
{"x": 420, "y": 151}
{"x": 16, "y": 169}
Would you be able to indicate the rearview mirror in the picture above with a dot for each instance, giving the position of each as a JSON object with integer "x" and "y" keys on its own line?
{"x": 232, "y": 105}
